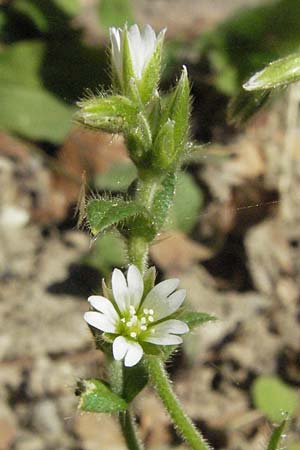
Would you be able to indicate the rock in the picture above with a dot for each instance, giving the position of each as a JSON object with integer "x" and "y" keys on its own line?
{"x": 45, "y": 418}
{"x": 98, "y": 431}
{"x": 8, "y": 427}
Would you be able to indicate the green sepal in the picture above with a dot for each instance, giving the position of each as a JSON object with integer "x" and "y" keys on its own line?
{"x": 244, "y": 105}
{"x": 178, "y": 109}
{"x": 276, "y": 436}
{"x": 154, "y": 111}
{"x": 113, "y": 114}
{"x": 195, "y": 319}
{"x": 164, "y": 148}
{"x": 151, "y": 74}
{"x": 96, "y": 396}
{"x": 163, "y": 200}
{"x": 149, "y": 280}
{"x": 104, "y": 213}
{"x": 134, "y": 380}
{"x": 278, "y": 73}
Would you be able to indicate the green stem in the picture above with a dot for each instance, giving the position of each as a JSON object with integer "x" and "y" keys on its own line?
{"x": 138, "y": 245}
{"x": 138, "y": 250}
{"x": 129, "y": 431}
{"x": 182, "y": 422}
{"x": 127, "y": 422}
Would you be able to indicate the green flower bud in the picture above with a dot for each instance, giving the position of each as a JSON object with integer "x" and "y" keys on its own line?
{"x": 136, "y": 55}
{"x": 164, "y": 149}
{"x": 178, "y": 110}
{"x": 113, "y": 114}
{"x": 278, "y": 73}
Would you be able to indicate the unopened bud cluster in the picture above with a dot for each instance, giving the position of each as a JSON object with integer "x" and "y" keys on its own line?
{"x": 155, "y": 127}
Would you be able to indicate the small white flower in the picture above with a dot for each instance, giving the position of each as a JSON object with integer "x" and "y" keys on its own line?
{"x": 142, "y": 45}
{"x": 134, "y": 319}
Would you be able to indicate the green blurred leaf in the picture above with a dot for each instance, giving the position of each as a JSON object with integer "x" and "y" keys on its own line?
{"x": 293, "y": 446}
{"x": 187, "y": 205}
{"x": 104, "y": 213}
{"x": 135, "y": 379}
{"x": 276, "y": 437}
{"x": 118, "y": 178}
{"x": 71, "y": 7}
{"x": 27, "y": 108}
{"x": 95, "y": 396}
{"x": 34, "y": 12}
{"x": 273, "y": 397}
{"x": 108, "y": 251}
{"x": 278, "y": 73}
{"x": 115, "y": 13}
{"x": 248, "y": 40}
{"x": 195, "y": 319}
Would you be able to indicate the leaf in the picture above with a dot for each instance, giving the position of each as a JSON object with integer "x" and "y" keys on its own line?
{"x": 188, "y": 201}
{"x": 273, "y": 397}
{"x": 115, "y": 13}
{"x": 27, "y": 108}
{"x": 70, "y": 7}
{"x": 95, "y": 396}
{"x": 195, "y": 319}
{"x": 276, "y": 436}
{"x": 118, "y": 178}
{"x": 104, "y": 213}
{"x": 108, "y": 251}
{"x": 278, "y": 73}
{"x": 135, "y": 379}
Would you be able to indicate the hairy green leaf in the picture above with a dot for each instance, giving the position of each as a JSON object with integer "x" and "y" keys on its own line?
{"x": 95, "y": 396}
{"x": 104, "y": 213}
{"x": 195, "y": 319}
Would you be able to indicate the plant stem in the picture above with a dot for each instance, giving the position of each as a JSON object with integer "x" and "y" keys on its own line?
{"x": 138, "y": 245}
{"x": 129, "y": 431}
{"x": 138, "y": 249}
{"x": 181, "y": 421}
{"x": 127, "y": 422}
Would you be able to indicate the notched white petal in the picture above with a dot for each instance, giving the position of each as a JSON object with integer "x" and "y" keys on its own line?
{"x": 120, "y": 290}
{"x": 120, "y": 347}
{"x": 173, "y": 326}
{"x": 165, "y": 288}
{"x": 135, "y": 285}
{"x": 168, "y": 339}
{"x": 103, "y": 305}
{"x": 100, "y": 321}
{"x": 134, "y": 354}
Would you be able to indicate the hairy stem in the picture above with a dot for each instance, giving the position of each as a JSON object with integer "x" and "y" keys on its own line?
{"x": 128, "y": 428}
{"x": 127, "y": 422}
{"x": 181, "y": 421}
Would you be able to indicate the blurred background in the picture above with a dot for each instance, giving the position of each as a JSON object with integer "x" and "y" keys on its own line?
{"x": 232, "y": 237}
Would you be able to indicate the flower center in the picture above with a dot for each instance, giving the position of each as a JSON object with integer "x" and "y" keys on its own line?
{"x": 134, "y": 324}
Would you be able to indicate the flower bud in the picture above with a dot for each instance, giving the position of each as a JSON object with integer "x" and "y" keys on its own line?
{"x": 278, "y": 73}
{"x": 178, "y": 110}
{"x": 136, "y": 54}
{"x": 163, "y": 151}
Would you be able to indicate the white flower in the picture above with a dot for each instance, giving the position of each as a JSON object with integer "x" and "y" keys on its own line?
{"x": 142, "y": 45}
{"x": 134, "y": 319}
